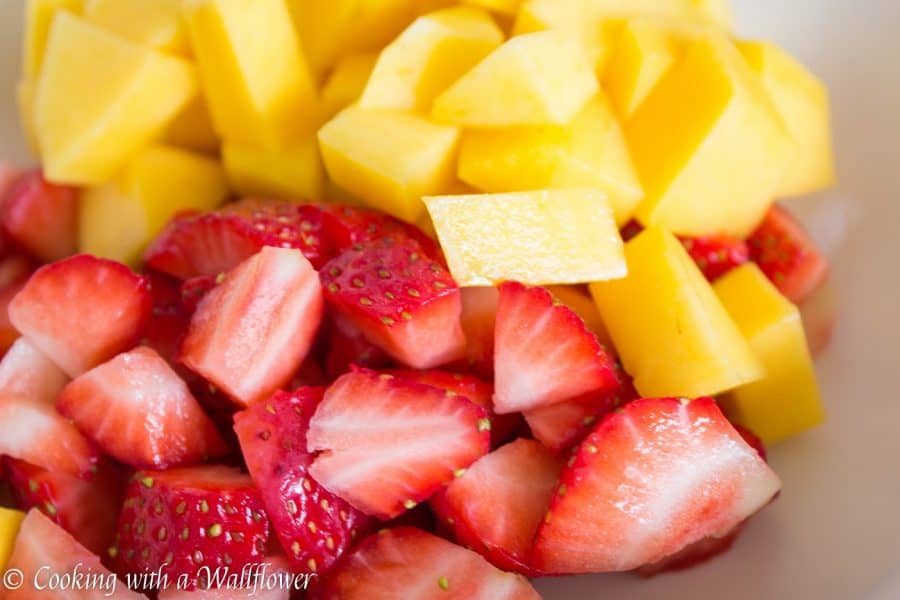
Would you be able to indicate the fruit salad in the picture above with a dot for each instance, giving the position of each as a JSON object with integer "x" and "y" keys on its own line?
{"x": 390, "y": 299}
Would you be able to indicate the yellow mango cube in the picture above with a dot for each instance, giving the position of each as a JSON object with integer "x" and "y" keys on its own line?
{"x": 538, "y": 238}
{"x": 802, "y": 102}
{"x": 641, "y": 57}
{"x": 786, "y": 400}
{"x": 193, "y": 129}
{"x": 428, "y": 56}
{"x": 506, "y": 8}
{"x": 346, "y": 83}
{"x": 535, "y": 79}
{"x": 117, "y": 219}
{"x": 154, "y": 23}
{"x": 256, "y": 80}
{"x": 708, "y": 145}
{"x": 90, "y": 120}
{"x": 39, "y": 16}
{"x": 26, "y": 90}
{"x": 10, "y": 520}
{"x": 671, "y": 331}
{"x": 389, "y": 159}
{"x": 717, "y": 11}
{"x": 589, "y": 152}
{"x": 291, "y": 174}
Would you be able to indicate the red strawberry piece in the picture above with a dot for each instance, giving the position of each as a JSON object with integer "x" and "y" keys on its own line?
{"x": 819, "y": 312}
{"x": 314, "y": 526}
{"x": 500, "y": 501}
{"x": 82, "y": 311}
{"x": 346, "y": 346}
{"x": 44, "y": 548}
{"x": 693, "y": 555}
{"x": 182, "y": 520}
{"x": 752, "y": 440}
{"x": 543, "y": 353}
{"x": 41, "y": 217}
{"x": 387, "y": 444}
{"x": 85, "y": 508}
{"x": 14, "y": 272}
{"x": 479, "y": 315}
{"x": 347, "y": 226}
{"x": 411, "y": 564}
{"x": 716, "y": 255}
{"x": 402, "y": 301}
{"x": 651, "y": 479}
{"x": 195, "y": 289}
{"x": 787, "y": 255}
{"x": 630, "y": 230}
{"x": 15, "y": 268}
{"x": 252, "y": 331}
{"x": 271, "y": 579}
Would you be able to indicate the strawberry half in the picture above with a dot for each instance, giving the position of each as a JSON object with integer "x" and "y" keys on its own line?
{"x": 314, "y": 526}
{"x": 348, "y": 226}
{"x": 387, "y": 444}
{"x": 651, "y": 479}
{"x": 402, "y": 301}
{"x": 41, "y": 217}
{"x": 543, "y": 353}
{"x": 411, "y": 564}
{"x": 82, "y": 311}
{"x": 182, "y": 520}
{"x": 141, "y": 413}
{"x": 195, "y": 289}
{"x": 252, "y": 331}
{"x": 478, "y": 318}
{"x": 787, "y": 255}
{"x": 716, "y": 255}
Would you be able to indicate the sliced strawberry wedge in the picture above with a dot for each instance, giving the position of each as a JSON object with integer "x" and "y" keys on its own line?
{"x": 314, "y": 526}
{"x": 651, "y": 479}
{"x": 347, "y": 346}
{"x": 787, "y": 255}
{"x": 479, "y": 315}
{"x": 195, "y": 289}
{"x": 404, "y": 303}
{"x": 82, "y": 311}
{"x": 387, "y": 444}
{"x": 543, "y": 353}
{"x": 252, "y": 331}
{"x": 717, "y": 255}
{"x": 141, "y": 413}
{"x": 411, "y": 564}
{"x": 348, "y": 226}
{"x": 41, "y": 217}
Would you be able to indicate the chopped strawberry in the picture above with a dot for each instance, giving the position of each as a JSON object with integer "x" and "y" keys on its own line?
{"x": 252, "y": 331}
{"x": 41, "y": 217}
{"x": 411, "y": 564}
{"x": 500, "y": 501}
{"x": 543, "y": 353}
{"x": 182, "y": 520}
{"x": 479, "y": 315}
{"x": 82, "y": 311}
{"x": 141, "y": 413}
{"x": 716, "y": 255}
{"x": 15, "y": 268}
{"x": 271, "y": 579}
{"x": 651, "y": 479}
{"x": 347, "y": 226}
{"x": 314, "y": 526}
{"x": 14, "y": 272}
{"x": 195, "y": 289}
{"x": 693, "y": 555}
{"x": 404, "y": 303}
{"x": 85, "y": 508}
{"x": 787, "y": 255}
{"x": 387, "y": 444}
{"x": 347, "y": 346}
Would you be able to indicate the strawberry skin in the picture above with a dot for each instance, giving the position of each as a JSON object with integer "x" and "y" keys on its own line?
{"x": 41, "y": 217}
{"x": 141, "y": 413}
{"x": 314, "y": 526}
{"x": 195, "y": 289}
{"x": 347, "y": 346}
{"x": 651, "y": 479}
{"x": 543, "y": 352}
{"x": 716, "y": 255}
{"x": 82, "y": 311}
{"x": 479, "y": 315}
{"x": 402, "y": 301}
{"x": 252, "y": 331}
{"x": 410, "y": 441}
{"x": 348, "y": 226}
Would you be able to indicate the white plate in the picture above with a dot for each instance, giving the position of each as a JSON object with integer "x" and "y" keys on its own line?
{"x": 834, "y": 534}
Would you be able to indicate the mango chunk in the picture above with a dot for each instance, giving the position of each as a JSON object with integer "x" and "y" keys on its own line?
{"x": 346, "y": 83}
{"x": 192, "y": 128}
{"x": 672, "y": 332}
{"x": 708, "y": 145}
{"x": 802, "y": 102}
{"x": 38, "y": 18}
{"x": 786, "y": 400}
{"x": 428, "y": 56}
{"x": 507, "y": 8}
{"x": 536, "y": 79}
{"x": 641, "y": 57}
{"x": 589, "y": 152}
{"x": 154, "y": 23}
{"x": 291, "y": 174}
{"x": 119, "y": 218}
{"x": 538, "y": 238}
{"x": 259, "y": 87}
{"x": 10, "y": 520}
{"x": 717, "y": 11}
{"x": 90, "y": 120}
{"x": 389, "y": 159}
{"x": 26, "y": 90}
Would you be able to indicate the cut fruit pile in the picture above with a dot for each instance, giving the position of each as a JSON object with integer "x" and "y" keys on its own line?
{"x": 455, "y": 295}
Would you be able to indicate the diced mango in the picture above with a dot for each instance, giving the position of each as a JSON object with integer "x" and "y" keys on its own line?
{"x": 507, "y": 8}
{"x": 535, "y": 79}
{"x": 10, "y": 520}
{"x": 641, "y": 57}
{"x": 346, "y": 83}
{"x": 291, "y": 174}
{"x": 538, "y": 238}
{"x": 26, "y": 90}
{"x": 258, "y": 85}
{"x": 118, "y": 218}
{"x": 671, "y": 331}
{"x": 583, "y": 306}
{"x": 90, "y": 120}
{"x": 802, "y": 101}
{"x": 38, "y": 18}
{"x": 154, "y": 23}
{"x": 786, "y": 400}
{"x": 193, "y": 129}
{"x": 589, "y": 152}
{"x": 428, "y": 56}
{"x": 708, "y": 145}
{"x": 389, "y": 159}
